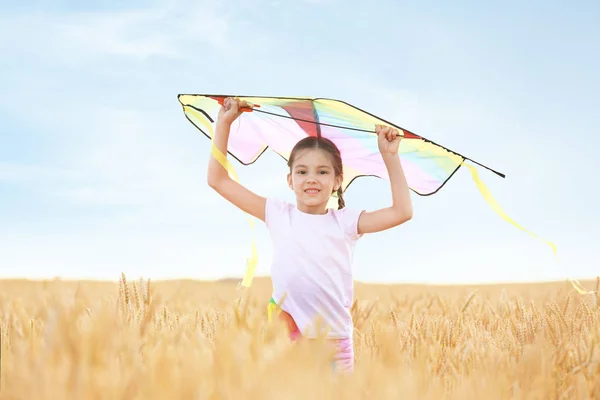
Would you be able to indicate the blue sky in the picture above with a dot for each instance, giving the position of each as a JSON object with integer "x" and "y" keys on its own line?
{"x": 100, "y": 173}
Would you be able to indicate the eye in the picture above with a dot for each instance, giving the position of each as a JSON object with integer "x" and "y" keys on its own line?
{"x": 323, "y": 172}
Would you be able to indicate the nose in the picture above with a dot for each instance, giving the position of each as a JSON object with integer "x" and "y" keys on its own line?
{"x": 311, "y": 178}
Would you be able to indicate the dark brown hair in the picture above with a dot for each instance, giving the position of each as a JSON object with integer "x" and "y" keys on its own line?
{"x": 313, "y": 142}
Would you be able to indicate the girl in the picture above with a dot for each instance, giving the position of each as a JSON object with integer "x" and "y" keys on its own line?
{"x": 313, "y": 245}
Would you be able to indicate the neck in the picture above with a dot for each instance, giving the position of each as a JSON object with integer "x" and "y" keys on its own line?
{"x": 320, "y": 209}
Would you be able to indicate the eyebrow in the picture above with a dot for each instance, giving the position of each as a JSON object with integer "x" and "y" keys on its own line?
{"x": 318, "y": 166}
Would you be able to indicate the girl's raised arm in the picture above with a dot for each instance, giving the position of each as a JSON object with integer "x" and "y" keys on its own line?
{"x": 401, "y": 209}
{"x": 218, "y": 178}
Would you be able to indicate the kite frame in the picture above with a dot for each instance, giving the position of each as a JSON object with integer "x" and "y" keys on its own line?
{"x": 312, "y": 99}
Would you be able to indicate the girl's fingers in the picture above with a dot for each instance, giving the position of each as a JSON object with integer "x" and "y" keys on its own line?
{"x": 388, "y": 132}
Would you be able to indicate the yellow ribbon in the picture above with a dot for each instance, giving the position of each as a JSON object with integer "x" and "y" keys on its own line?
{"x": 271, "y": 309}
{"x": 496, "y": 207}
{"x": 251, "y": 262}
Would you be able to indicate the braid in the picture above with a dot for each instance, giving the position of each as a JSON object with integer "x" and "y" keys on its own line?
{"x": 340, "y": 196}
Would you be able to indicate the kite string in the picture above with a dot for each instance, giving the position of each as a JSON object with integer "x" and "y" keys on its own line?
{"x": 251, "y": 262}
{"x": 496, "y": 207}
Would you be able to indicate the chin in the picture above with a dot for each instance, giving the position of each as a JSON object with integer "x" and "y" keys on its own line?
{"x": 312, "y": 201}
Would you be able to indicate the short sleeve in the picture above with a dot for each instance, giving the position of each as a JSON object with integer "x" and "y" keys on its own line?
{"x": 274, "y": 210}
{"x": 349, "y": 221}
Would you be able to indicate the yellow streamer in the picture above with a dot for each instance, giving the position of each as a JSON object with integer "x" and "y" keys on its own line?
{"x": 271, "y": 309}
{"x": 251, "y": 262}
{"x": 496, "y": 207}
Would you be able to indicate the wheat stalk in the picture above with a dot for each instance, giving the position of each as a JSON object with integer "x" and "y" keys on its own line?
{"x": 411, "y": 343}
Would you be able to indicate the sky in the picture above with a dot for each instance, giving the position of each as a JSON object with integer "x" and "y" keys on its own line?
{"x": 101, "y": 173}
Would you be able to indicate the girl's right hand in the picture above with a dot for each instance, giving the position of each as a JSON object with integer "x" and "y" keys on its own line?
{"x": 230, "y": 110}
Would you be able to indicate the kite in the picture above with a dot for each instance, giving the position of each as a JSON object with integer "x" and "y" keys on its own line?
{"x": 279, "y": 123}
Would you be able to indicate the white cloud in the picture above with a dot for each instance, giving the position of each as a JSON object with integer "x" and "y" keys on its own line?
{"x": 31, "y": 173}
{"x": 125, "y": 158}
{"x": 107, "y": 149}
{"x": 167, "y": 30}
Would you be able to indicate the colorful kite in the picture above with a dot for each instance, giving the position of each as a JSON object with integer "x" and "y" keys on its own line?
{"x": 280, "y": 122}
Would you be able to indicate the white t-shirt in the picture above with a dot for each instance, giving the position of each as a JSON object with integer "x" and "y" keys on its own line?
{"x": 312, "y": 265}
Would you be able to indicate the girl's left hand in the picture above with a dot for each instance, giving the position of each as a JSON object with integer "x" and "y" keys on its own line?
{"x": 388, "y": 139}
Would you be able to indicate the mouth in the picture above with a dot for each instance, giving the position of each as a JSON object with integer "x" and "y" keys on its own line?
{"x": 311, "y": 191}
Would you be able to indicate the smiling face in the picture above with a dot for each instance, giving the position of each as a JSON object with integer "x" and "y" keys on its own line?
{"x": 313, "y": 179}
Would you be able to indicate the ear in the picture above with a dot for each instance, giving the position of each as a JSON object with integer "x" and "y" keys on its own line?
{"x": 289, "y": 179}
{"x": 338, "y": 182}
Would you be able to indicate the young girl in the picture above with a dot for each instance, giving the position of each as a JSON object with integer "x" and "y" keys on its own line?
{"x": 313, "y": 245}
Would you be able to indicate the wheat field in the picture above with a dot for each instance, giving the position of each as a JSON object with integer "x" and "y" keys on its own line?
{"x": 206, "y": 340}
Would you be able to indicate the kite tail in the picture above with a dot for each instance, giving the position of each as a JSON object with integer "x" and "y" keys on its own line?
{"x": 496, "y": 207}
{"x": 225, "y": 163}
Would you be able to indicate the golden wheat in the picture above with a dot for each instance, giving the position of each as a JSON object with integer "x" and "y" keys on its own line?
{"x": 195, "y": 340}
